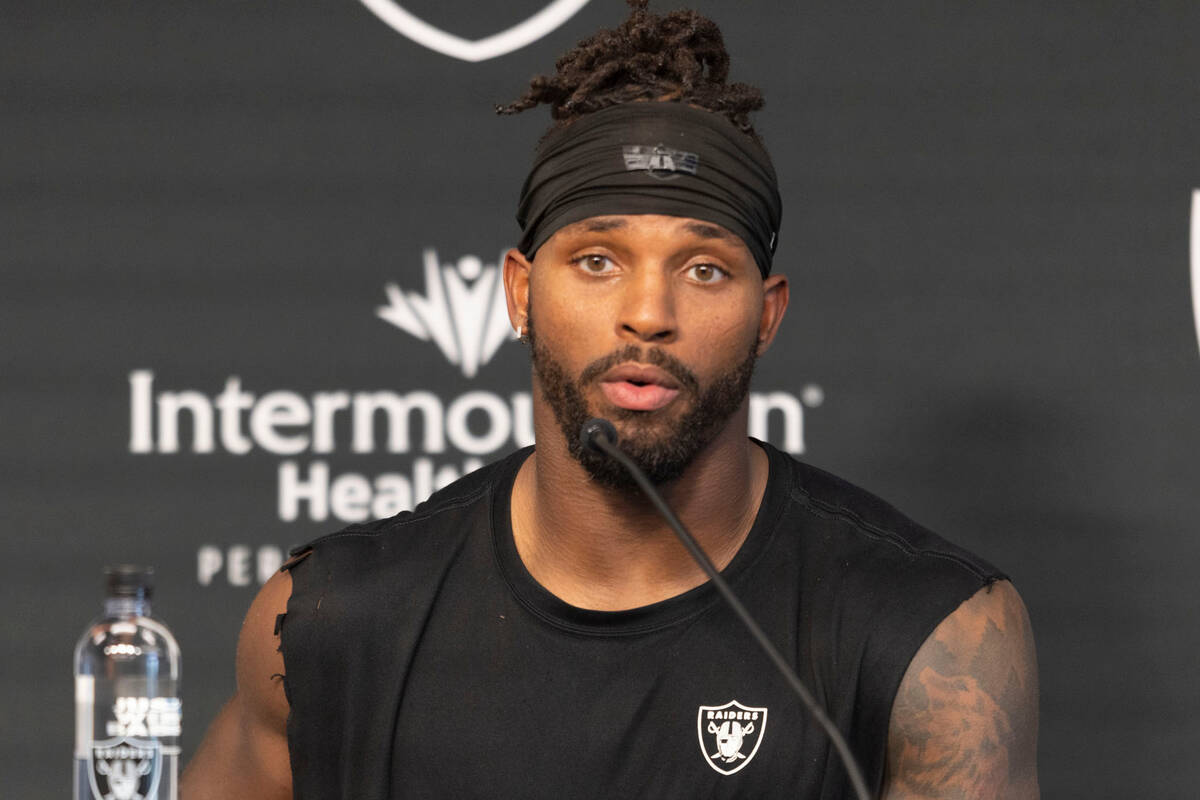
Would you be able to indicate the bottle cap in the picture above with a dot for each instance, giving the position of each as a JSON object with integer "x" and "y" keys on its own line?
{"x": 128, "y": 580}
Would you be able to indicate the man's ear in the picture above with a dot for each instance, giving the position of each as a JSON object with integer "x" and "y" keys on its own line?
{"x": 775, "y": 303}
{"x": 516, "y": 289}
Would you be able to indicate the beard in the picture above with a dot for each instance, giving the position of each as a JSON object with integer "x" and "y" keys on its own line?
{"x": 661, "y": 442}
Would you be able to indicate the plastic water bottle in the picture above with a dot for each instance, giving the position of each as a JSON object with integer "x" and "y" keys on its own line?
{"x": 127, "y": 709}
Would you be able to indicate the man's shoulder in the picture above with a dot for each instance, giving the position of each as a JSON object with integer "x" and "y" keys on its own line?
{"x": 857, "y": 519}
{"x": 443, "y": 514}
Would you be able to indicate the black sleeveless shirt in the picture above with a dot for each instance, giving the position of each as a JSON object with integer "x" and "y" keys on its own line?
{"x": 422, "y": 659}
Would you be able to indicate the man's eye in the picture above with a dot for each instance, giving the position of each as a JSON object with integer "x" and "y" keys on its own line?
{"x": 706, "y": 273}
{"x": 595, "y": 264}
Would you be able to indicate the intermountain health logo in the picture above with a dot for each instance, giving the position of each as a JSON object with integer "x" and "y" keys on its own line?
{"x": 462, "y": 311}
{"x": 505, "y": 41}
{"x": 431, "y": 432}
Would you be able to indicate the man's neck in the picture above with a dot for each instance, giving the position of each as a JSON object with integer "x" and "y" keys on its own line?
{"x": 607, "y": 549}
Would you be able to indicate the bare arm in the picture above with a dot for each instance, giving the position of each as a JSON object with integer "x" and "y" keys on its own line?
{"x": 964, "y": 722}
{"x": 245, "y": 752}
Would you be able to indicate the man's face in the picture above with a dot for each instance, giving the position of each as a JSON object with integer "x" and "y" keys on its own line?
{"x": 652, "y": 322}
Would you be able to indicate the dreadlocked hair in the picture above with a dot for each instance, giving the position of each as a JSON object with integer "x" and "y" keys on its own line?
{"x": 675, "y": 56}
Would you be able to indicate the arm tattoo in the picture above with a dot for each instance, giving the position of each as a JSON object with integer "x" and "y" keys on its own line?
{"x": 964, "y": 722}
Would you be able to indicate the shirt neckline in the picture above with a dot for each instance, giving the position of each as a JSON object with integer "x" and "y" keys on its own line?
{"x": 554, "y": 611}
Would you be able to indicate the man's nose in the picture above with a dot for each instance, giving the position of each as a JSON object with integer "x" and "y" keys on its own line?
{"x": 648, "y": 308}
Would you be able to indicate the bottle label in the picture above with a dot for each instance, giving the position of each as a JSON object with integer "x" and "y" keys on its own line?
{"x": 125, "y": 768}
{"x": 145, "y": 716}
{"x": 128, "y": 764}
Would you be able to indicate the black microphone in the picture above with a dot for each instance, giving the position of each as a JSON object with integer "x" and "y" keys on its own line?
{"x": 600, "y": 435}
{"x": 597, "y": 428}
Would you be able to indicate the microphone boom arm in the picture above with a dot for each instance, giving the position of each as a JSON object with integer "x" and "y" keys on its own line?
{"x": 600, "y": 434}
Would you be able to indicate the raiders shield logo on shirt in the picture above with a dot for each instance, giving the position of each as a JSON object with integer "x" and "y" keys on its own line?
{"x": 730, "y": 735}
{"x": 125, "y": 768}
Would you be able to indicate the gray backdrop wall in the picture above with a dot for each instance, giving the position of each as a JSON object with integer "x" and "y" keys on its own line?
{"x": 230, "y": 230}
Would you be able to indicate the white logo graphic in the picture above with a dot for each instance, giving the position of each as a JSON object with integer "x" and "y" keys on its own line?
{"x": 1196, "y": 260}
{"x": 463, "y": 311}
{"x": 516, "y": 37}
{"x": 124, "y": 768}
{"x": 660, "y": 161}
{"x": 730, "y": 735}
{"x": 145, "y": 716}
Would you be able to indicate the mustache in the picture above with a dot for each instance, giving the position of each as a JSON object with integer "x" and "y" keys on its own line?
{"x": 653, "y": 356}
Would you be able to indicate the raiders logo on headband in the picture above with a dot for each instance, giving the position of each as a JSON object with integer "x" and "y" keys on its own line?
{"x": 660, "y": 161}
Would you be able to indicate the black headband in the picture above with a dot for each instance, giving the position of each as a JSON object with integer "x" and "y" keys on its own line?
{"x": 652, "y": 158}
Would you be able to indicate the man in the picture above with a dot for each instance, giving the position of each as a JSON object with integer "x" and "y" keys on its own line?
{"x": 535, "y": 630}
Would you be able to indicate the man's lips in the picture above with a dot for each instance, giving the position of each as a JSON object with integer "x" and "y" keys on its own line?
{"x": 638, "y": 387}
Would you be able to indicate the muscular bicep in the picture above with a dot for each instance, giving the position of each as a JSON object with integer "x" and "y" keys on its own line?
{"x": 964, "y": 722}
{"x": 244, "y": 753}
